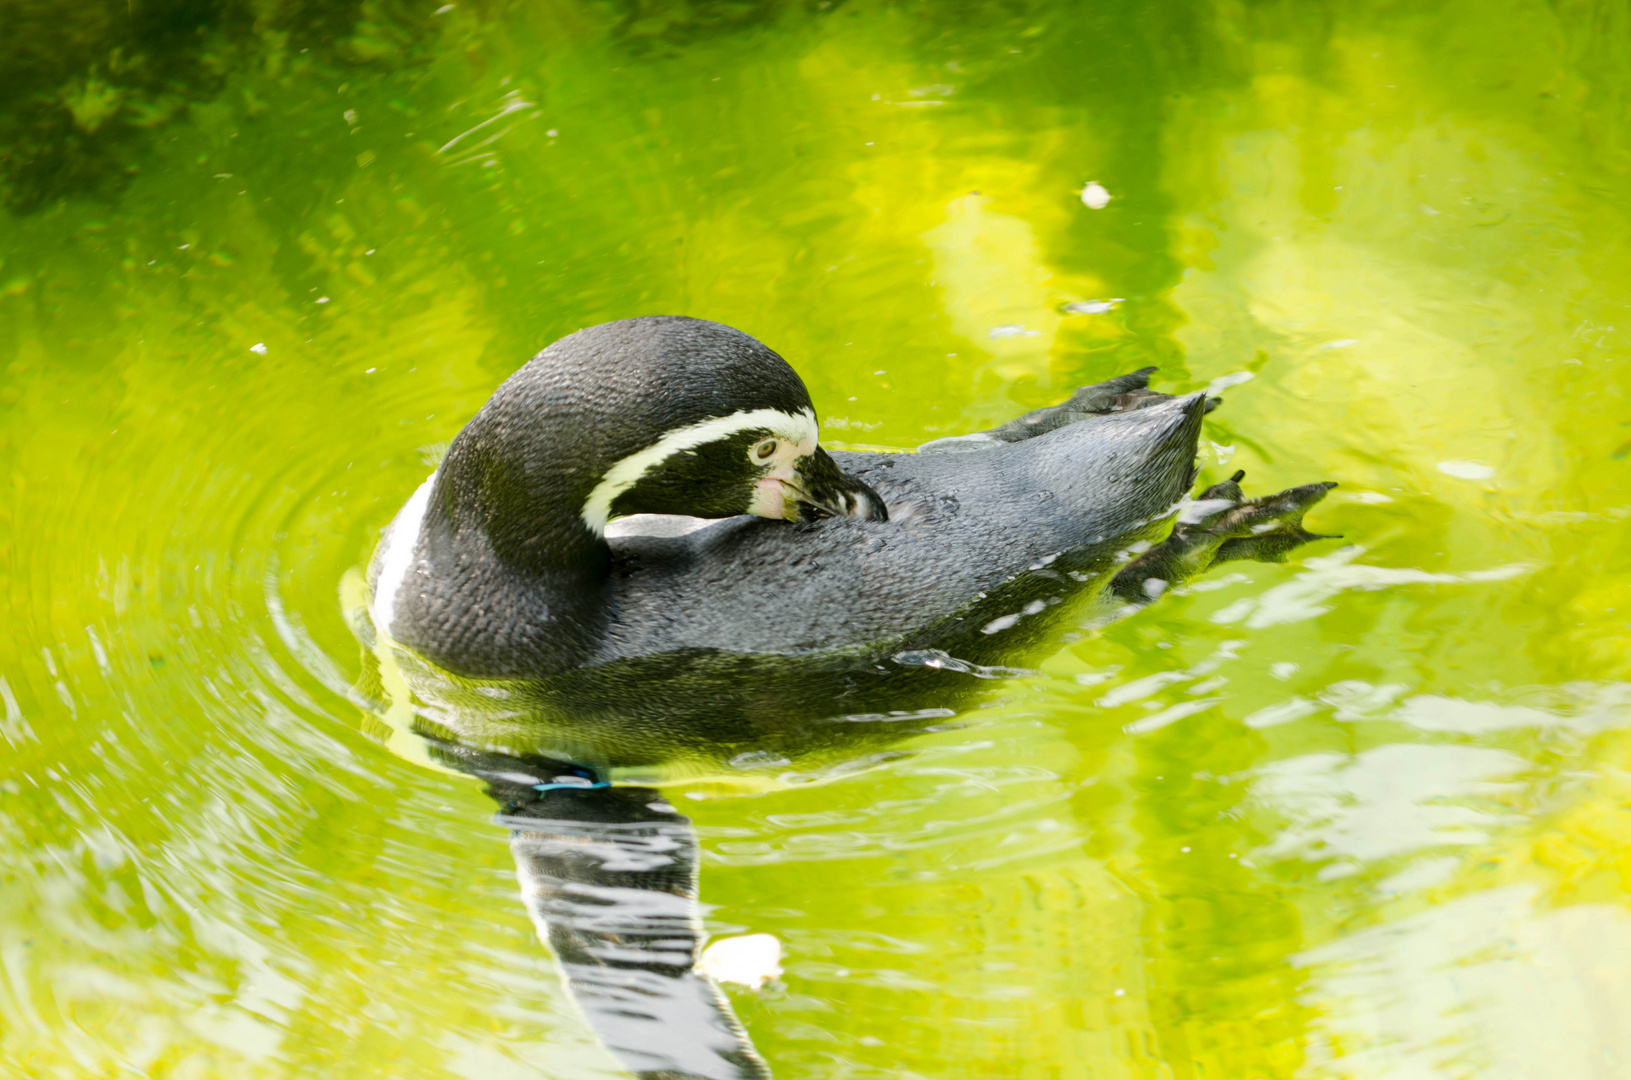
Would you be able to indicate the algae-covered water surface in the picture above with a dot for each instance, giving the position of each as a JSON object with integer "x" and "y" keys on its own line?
{"x": 1365, "y": 814}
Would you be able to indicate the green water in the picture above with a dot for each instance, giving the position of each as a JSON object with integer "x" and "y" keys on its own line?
{"x": 1367, "y": 814}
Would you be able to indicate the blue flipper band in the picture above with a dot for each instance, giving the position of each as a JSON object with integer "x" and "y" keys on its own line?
{"x": 574, "y": 787}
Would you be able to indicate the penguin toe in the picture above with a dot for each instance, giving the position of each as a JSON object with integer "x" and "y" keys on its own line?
{"x": 1265, "y": 529}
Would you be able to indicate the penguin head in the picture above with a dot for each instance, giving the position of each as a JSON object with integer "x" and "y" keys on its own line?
{"x": 762, "y": 461}
{"x": 656, "y": 415}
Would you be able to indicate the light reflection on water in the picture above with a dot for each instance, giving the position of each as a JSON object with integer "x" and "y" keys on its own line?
{"x": 1358, "y": 816}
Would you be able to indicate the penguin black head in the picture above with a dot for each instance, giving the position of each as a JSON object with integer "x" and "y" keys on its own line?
{"x": 661, "y": 415}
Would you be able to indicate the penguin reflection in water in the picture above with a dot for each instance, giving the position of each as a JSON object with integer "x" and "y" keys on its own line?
{"x": 635, "y": 564}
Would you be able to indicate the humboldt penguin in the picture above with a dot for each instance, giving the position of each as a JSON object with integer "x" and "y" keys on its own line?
{"x": 637, "y": 557}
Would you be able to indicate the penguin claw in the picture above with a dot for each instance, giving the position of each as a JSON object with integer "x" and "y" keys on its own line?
{"x": 1228, "y": 489}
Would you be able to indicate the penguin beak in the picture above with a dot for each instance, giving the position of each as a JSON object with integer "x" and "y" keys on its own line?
{"x": 819, "y": 488}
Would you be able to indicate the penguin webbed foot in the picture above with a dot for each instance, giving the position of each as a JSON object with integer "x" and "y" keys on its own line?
{"x": 1220, "y": 526}
{"x": 1265, "y": 529}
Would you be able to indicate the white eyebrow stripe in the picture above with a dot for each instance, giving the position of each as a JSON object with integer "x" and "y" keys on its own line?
{"x": 597, "y": 509}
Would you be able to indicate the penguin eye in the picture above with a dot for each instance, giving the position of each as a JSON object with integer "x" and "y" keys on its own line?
{"x": 763, "y": 450}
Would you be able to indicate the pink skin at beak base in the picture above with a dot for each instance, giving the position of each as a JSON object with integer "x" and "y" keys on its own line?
{"x": 770, "y": 492}
{"x": 769, "y": 498}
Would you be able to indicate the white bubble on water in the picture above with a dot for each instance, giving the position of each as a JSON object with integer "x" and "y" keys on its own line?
{"x": 1094, "y": 196}
{"x": 749, "y": 960}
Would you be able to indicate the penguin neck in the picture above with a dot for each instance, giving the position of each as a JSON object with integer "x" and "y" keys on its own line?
{"x": 545, "y": 541}
{"x": 526, "y": 510}
{"x": 534, "y": 574}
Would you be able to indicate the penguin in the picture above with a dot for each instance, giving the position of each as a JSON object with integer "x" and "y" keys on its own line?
{"x": 505, "y": 564}
{"x": 636, "y": 561}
